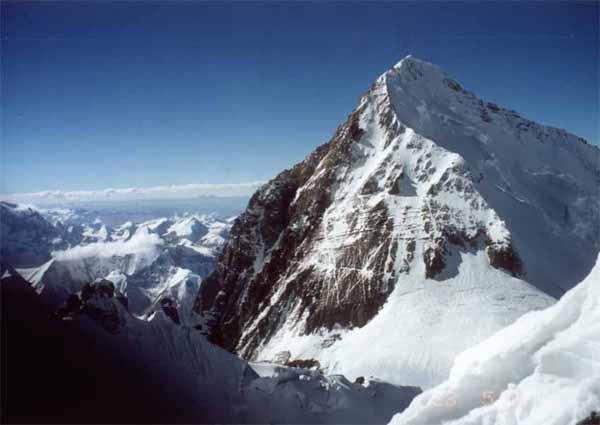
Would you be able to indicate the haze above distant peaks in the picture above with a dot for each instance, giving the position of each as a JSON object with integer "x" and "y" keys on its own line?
{"x": 136, "y": 193}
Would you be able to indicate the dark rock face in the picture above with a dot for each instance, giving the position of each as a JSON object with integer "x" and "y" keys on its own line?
{"x": 593, "y": 419}
{"x": 95, "y": 301}
{"x": 254, "y": 235}
{"x": 169, "y": 307}
{"x": 363, "y": 295}
{"x": 71, "y": 308}
{"x": 434, "y": 260}
{"x": 304, "y": 363}
{"x": 504, "y": 257}
{"x": 185, "y": 257}
{"x": 106, "y": 288}
{"x": 27, "y": 238}
{"x": 123, "y": 300}
{"x": 283, "y": 223}
{"x": 61, "y": 372}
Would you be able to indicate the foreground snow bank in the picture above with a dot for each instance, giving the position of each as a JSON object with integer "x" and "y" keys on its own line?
{"x": 543, "y": 369}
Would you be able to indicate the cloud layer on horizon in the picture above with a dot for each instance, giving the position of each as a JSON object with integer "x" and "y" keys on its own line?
{"x": 135, "y": 193}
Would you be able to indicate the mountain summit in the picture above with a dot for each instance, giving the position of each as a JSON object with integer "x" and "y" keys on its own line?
{"x": 430, "y": 220}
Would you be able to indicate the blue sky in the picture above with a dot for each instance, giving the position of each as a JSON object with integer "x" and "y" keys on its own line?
{"x": 98, "y": 94}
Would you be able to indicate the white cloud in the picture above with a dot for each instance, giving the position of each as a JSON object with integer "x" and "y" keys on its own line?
{"x": 135, "y": 193}
{"x": 143, "y": 245}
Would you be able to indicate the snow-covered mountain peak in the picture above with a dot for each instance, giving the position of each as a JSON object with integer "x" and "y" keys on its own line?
{"x": 426, "y": 196}
{"x": 191, "y": 228}
{"x": 423, "y": 85}
{"x": 511, "y": 161}
{"x": 405, "y": 58}
{"x": 417, "y": 84}
{"x": 413, "y": 69}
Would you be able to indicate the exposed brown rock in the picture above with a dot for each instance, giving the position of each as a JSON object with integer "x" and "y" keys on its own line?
{"x": 593, "y": 419}
{"x": 370, "y": 187}
{"x": 355, "y": 131}
{"x": 304, "y": 364}
{"x": 169, "y": 307}
{"x": 434, "y": 259}
{"x": 504, "y": 257}
{"x": 282, "y": 223}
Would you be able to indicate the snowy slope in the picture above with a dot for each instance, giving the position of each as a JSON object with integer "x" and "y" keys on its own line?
{"x": 430, "y": 221}
{"x": 541, "y": 181}
{"x": 190, "y": 228}
{"x": 544, "y": 369}
{"x": 418, "y": 332}
{"x": 234, "y": 392}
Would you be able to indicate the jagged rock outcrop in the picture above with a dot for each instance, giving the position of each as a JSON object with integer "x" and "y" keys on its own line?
{"x": 421, "y": 176}
{"x": 96, "y": 301}
{"x": 169, "y": 307}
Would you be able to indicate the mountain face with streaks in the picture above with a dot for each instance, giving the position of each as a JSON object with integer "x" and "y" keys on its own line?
{"x": 430, "y": 220}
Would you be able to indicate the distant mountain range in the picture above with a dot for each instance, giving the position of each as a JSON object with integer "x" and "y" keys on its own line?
{"x": 58, "y": 251}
